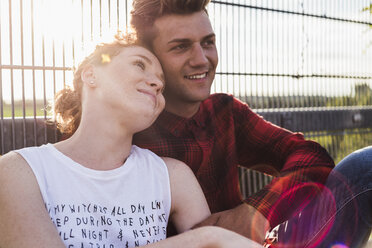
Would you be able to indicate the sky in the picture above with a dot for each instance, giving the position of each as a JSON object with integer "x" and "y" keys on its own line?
{"x": 59, "y": 33}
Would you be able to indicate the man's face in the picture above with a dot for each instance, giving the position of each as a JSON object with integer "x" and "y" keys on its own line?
{"x": 185, "y": 46}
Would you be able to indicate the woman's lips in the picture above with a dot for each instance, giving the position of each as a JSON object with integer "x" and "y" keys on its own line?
{"x": 150, "y": 94}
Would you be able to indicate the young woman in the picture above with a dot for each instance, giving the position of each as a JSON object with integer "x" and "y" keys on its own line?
{"x": 96, "y": 189}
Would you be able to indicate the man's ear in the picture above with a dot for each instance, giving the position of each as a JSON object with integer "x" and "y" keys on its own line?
{"x": 88, "y": 76}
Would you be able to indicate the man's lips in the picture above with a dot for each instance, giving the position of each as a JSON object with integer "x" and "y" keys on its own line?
{"x": 198, "y": 76}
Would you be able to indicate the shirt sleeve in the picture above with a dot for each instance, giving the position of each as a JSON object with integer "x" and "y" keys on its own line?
{"x": 300, "y": 166}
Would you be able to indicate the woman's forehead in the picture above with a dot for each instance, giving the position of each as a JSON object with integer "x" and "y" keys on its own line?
{"x": 137, "y": 51}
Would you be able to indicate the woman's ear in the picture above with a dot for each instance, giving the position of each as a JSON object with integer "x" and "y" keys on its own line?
{"x": 88, "y": 76}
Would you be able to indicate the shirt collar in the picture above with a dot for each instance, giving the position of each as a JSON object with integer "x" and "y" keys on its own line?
{"x": 178, "y": 125}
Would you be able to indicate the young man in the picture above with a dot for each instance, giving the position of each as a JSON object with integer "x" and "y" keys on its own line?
{"x": 214, "y": 134}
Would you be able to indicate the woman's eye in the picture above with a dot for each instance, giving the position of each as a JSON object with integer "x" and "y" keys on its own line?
{"x": 140, "y": 64}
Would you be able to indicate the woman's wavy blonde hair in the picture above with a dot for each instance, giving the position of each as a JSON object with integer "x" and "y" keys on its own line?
{"x": 67, "y": 102}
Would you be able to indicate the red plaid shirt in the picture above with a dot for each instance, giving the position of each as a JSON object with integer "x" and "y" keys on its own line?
{"x": 225, "y": 133}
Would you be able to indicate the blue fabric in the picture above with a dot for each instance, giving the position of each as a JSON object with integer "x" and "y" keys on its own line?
{"x": 342, "y": 215}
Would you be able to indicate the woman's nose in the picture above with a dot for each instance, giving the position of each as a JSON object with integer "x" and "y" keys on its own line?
{"x": 156, "y": 83}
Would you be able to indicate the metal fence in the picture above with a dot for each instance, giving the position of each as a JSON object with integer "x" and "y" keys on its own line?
{"x": 302, "y": 64}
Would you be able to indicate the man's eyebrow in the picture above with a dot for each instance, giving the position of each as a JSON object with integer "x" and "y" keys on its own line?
{"x": 179, "y": 41}
{"x": 212, "y": 35}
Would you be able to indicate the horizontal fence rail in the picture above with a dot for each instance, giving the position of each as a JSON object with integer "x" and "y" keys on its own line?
{"x": 287, "y": 12}
{"x": 319, "y": 119}
{"x": 298, "y": 120}
{"x": 24, "y": 132}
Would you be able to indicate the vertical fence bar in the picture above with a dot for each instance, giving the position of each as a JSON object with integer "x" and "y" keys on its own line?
{"x": 126, "y": 16}
{"x": 109, "y": 14}
{"x": 11, "y": 73}
{"x": 1, "y": 93}
{"x": 270, "y": 49}
{"x": 82, "y": 25}
{"x": 255, "y": 69}
{"x": 33, "y": 72}
{"x": 251, "y": 57}
{"x": 227, "y": 48}
{"x": 100, "y": 18}
{"x": 91, "y": 20}
{"x": 246, "y": 39}
{"x": 44, "y": 84}
{"x": 117, "y": 14}
{"x": 220, "y": 51}
{"x": 238, "y": 49}
{"x": 23, "y": 77}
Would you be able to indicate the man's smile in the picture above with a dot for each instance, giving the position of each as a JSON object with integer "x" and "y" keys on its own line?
{"x": 197, "y": 76}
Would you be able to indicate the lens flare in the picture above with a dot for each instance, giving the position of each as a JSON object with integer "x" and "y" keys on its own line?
{"x": 105, "y": 58}
{"x": 339, "y": 246}
{"x": 316, "y": 208}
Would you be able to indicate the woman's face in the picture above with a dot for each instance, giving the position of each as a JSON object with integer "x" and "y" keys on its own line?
{"x": 131, "y": 84}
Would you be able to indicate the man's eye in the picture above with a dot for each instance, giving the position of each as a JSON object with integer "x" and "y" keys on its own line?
{"x": 140, "y": 64}
{"x": 180, "y": 47}
{"x": 209, "y": 43}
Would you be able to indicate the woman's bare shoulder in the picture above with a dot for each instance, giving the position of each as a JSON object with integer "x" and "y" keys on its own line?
{"x": 25, "y": 221}
{"x": 176, "y": 166}
{"x": 12, "y": 162}
{"x": 15, "y": 172}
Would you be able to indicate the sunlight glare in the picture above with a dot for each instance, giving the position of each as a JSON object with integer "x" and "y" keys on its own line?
{"x": 59, "y": 19}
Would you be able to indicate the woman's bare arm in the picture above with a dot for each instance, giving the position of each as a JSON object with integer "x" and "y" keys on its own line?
{"x": 206, "y": 237}
{"x": 24, "y": 219}
{"x": 189, "y": 205}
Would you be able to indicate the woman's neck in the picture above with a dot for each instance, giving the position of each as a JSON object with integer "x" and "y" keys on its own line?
{"x": 98, "y": 146}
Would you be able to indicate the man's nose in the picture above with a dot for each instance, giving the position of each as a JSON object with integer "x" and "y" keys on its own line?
{"x": 198, "y": 56}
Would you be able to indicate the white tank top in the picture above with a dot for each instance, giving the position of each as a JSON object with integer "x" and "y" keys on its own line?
{"x": 125, "y": 207}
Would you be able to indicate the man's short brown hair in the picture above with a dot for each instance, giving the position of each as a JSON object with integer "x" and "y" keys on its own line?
{"x": 145, "y": 13}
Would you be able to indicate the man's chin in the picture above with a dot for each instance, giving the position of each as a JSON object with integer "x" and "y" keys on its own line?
{"x": 204, "y": 96}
